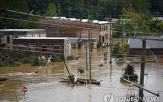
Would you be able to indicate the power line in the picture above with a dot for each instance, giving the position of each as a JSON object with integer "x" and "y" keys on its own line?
{"x": 46, "y": 23}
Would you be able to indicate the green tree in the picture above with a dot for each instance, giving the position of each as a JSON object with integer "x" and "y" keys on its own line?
{"x": 51, "y": 10}
{"x": 139, "y": 20}
{"x": 15, "y": 20}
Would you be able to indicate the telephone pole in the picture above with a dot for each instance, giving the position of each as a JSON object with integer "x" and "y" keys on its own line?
{"x": 141, "y": 85}
{"x": 110, "y": 42}
{"x": 59, "y": 10}
{"x": 141, "y": 95}
{"x": 123, "y": 31}
{"x": 89, "y": 35}
{"x": 69, "y": 9}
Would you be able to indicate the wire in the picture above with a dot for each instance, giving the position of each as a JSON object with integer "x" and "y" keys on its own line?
{"x": 47, "y": 23}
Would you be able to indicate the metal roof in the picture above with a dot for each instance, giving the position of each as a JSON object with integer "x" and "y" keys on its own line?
{"x": 150, "y": 44}
{"x": 42, "y": 38}
{"x": 22, "y": 30}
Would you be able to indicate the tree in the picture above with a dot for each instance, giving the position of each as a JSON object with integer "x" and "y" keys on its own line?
{"x": 17, "y": 20}
{"x": 51, "y": 10}
{"x": 139, "y": 20}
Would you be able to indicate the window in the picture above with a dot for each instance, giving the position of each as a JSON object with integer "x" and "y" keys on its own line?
{"x": 133, "y": 53}
{"x": 32, "y": 48}
{"x": 106, "y": 28}
{"x": 106, "y": 34}
{"x": 8, "y": 39}
{"x": 20, "y": 48}
{"x": 44, "y": 48}
{"x": 103, "y": 39}
{"x": 56, "y": 48}
{"x": 154, "y": 53}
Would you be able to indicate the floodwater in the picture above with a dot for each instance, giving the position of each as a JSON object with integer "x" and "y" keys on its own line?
{"x": 47, "y": 88}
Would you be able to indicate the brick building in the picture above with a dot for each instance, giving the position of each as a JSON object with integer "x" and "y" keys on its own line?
{"x": 104, "y": 33}
{"x": 7, "y": 35}
{"x": 153, "y": 47}
{"x": 68, "y": 27}
{"x": 43, "y": 46}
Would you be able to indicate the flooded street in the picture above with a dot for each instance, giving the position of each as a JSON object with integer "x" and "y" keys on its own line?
{"x": 47, "y": 88}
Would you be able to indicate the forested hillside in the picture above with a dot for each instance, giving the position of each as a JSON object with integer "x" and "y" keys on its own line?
{"x": 139, "y": 11}
{"x": 98, "y": 9}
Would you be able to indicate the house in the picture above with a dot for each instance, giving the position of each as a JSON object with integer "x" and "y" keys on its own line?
{"x": 43, "y": 46}
{"x": 6, "y": 35}
{"x": 153, "y": 47}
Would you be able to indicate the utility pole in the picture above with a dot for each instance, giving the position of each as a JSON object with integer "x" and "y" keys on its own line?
{"x": 90, "y": 80}
{"x": 110, "y": 42}
{"x": 59, "y": 10}
{"x": 123, "y": 31}
{"x": 13, "y": 60}
{"x": 69, "y": 9}
{"x": 141, "y": 95}
{"x": 86, "y": 57}
{"x": 141, "y": 85}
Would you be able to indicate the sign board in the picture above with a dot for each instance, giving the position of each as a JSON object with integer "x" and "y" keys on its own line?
{"x": 24, "y": 89}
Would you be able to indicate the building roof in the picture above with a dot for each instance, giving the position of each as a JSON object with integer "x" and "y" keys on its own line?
{"x": 41, "y": 38}
{"x": 158, "y": 18}
{"x": 150, "y": 44}
{"x": 22, "y": 30}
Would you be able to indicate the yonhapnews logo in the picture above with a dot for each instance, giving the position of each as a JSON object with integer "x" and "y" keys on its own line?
{"x": 111, "y": 98}
{"x": 108, "y": 98}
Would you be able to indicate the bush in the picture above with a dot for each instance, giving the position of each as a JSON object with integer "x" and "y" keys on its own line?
{"x": 71, "y": 57}
{"x": 26, "y": 60}
{"x": 71, "y": 77}
{"x": 20, "y": 55}
{"x": 16, "y": 64}
{"x": 101, "y": 65}
{"x": 129, "y": 73}
{"x": 2, "y": 64}
{"x": 35, "y": 61}
{"x": 124, "y": 47}
{"x": 116, "y": 48}
{"x": 120, "y": 53}
{"x": 56, "y": 59}
{"x": 99, "y": 45}
{"x": 80, "y": 70}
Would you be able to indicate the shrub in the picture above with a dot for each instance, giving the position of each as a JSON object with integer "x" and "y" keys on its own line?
{"x": 116, "y": 48}
{"x": 120, "y": 53}
{"x": 56, "y": 59}
{"x": 2, "y": 64}
{"x": 80, "y": 70}
{"x": 16, "y": 64}
{"x": 99, "y": 45}
{"x": 129, "y": 73}
{"x": 35, "y": 61}
{"x": 101, "y": 65}
{"x": 26, "y": 60}
{"x": 71, "y": 57}
{"x": 71, "y": 77}
{"x": 20, "y": 55}
{"x": 124, "y": 47}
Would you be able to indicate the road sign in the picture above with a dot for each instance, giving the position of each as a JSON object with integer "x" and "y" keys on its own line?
{"x": 24, "y": 89}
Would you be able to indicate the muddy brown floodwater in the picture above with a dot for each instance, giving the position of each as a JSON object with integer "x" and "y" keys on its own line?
{"x": 47, "y": 88}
